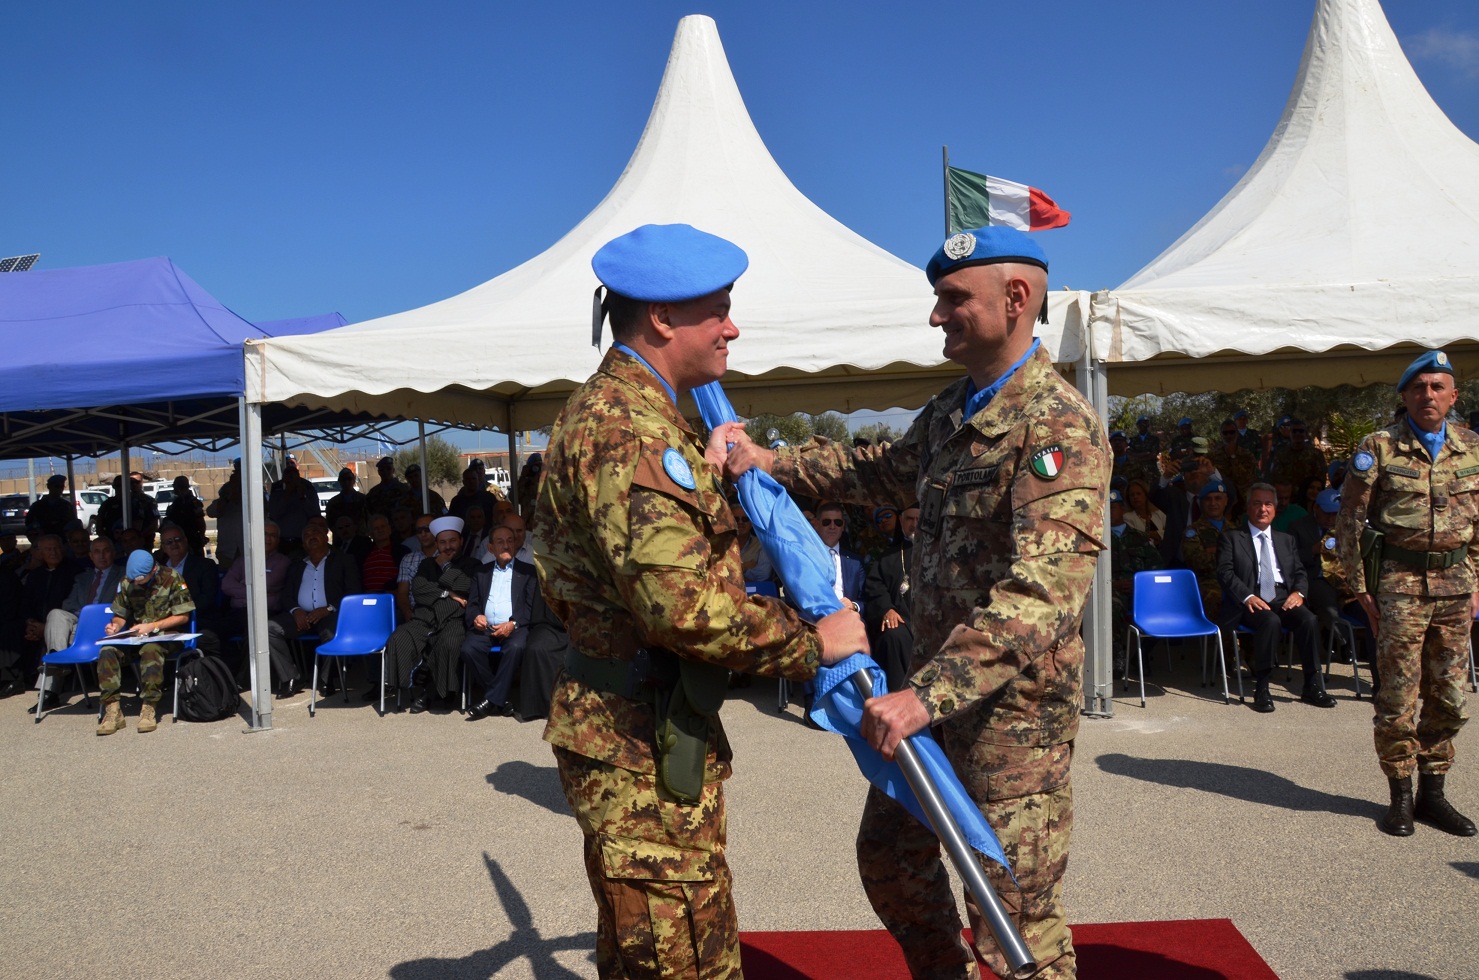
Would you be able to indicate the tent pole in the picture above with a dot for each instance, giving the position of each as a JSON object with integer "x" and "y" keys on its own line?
{"x": 123, "y": 486}
{"x": 30, "y": 481}
{"x": 72, "y": 482}
{"x": 1091, "y": 379}
{"x": 513, "y": 457}
{"x": 253, "y": 542}
{"x": 425, "y": 473}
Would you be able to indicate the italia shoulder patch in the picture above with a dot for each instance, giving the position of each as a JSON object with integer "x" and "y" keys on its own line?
{"x": 677, "y": 467}
{"x": 1363, "y": 461}
{"x": 1047, "y": 463}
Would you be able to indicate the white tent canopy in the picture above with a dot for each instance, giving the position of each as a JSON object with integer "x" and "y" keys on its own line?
{"x": 828, "y": 320}
{"x": 1356, "y": 230}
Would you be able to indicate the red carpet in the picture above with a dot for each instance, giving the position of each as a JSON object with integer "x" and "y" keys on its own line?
{"x": 1187, "y": 949}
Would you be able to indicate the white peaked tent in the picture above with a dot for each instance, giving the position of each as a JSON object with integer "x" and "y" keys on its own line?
{"x": 828, "y": 320}
{"x": 1355, "y": 236}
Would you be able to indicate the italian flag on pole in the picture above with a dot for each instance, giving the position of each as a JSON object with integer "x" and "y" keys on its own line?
{"x": 976, "y": 200}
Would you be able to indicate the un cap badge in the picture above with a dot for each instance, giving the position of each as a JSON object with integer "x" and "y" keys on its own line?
{"x": 1441, "y": 359}
{"x": 959, "y": 246}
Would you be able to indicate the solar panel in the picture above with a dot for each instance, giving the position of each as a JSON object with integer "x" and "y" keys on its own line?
{"x": 18, "y": 263}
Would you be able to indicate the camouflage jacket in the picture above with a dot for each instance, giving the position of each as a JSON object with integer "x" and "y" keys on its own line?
{"x": 162, "y": 596}
{"x": 1420, "y": 505}
{"x": 1237, "y": 466}
{"x": 1199, "y": 553}
{"x": 1181, "y": 446}
{"x": 1129, "y": 553}
{"x": 385, "y": 496}
{"x": 1332, "y": 569}
{"x": 1012, "y": 506}
{"x": 1296, "y": 466}
{"x": 629, "y": 558}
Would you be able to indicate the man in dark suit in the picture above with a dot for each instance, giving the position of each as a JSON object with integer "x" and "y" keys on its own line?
{"x": 500, "y": 609}
{"x": 886, "y": 604}
{"x": 1263, "y": 588}
{"x": 831, "y": 525}
{"x": 312, "y": 591}
{"x": 201, "y": 576}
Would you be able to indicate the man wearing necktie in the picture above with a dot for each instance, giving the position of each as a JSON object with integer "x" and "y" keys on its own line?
{"x": 1263, "y": 588}
{"x": 847, "y": 567}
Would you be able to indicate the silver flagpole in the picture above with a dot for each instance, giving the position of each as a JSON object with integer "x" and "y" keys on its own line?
{"x": 993, "y": 910}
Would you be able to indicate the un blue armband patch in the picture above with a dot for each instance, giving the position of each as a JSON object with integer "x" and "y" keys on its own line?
{"x": 1363, "y": 461}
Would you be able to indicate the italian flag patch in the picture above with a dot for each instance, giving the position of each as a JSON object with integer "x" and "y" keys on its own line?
{"x": 1048, "y": 463}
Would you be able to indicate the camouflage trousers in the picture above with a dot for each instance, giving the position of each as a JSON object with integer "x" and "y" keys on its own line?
{"x": 657, "y": 871}
{"x": 1027, "y": 798}
{"x": 112, "y": 660}
{"x": 1422, "y": 650}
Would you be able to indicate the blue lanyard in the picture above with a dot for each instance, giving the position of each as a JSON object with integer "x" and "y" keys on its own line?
{"x": 667, "y": 387}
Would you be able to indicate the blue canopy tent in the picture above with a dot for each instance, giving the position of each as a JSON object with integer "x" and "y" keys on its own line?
{"x": 136, "y": 354}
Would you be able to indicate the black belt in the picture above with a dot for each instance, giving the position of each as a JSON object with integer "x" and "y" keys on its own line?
{"x": 1430, "y": 560}
{"x": 640, "y": 678}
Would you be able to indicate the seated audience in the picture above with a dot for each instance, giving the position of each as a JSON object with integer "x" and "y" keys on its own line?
{"x": 432, "y": 637}
{"x": 292, "y": 502}
{"x": 500, "y": 608}
{"x": 381, "y": 563}
{"x": 473, "y": 493}
{"x": 97, "y": 584}
{"x": 349, "y": 541}
{"x": 426, "y": 546}
{"x": 1199, "y": 550}
{"x": 79, "y": 544}
{"x": 234, "y": 585}
{"x": 150, "y": 599}
{"x": 312, "y": 591}
{"x": 202, "y": 577}
{"x": 1330, "y": 593}
{"x": 475, "y": 532}
{"x": 1264, "y": 585}
{"x": 1130, "y": 551}
{"x": 753, "y": 559}
{"x": 1141, "y": 514}
{"x": 46, "y": 581}
{"x": 886, "y": 595}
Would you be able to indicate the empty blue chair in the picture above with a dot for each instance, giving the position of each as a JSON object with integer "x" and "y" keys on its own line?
{"x": 84, "y": 650}
{"x": 365, "y": 625}
{"x": 1168, "y": 605}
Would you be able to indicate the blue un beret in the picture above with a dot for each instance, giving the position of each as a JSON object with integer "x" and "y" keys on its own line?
{"x": 1428, "y": 362}
{"x": 1185, "y": 420}
{"x": 1117, "y": 434}
{"x": 140, "y": 562}
{"x": 668, "y": 263}
{"x": 984, "y": 246}
{"x": 1328, "y": 500}
{"x": 1115, "y": 497}
{"x": 1143, "y": 418}
{"x": 1212, "y": 486}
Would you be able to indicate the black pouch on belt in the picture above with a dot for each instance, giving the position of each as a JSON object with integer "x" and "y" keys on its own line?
{"x": 1371, "y": 548}
{"x": 685, "y": 720}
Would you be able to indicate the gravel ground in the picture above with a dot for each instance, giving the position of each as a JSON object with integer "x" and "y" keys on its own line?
{"x": 348, "y": 845}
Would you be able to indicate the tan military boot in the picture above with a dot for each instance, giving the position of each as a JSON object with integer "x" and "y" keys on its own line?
{"x": 112, "y": 719}
{"x": 146, "y": 718}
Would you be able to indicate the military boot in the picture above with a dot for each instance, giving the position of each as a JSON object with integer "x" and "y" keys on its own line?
{"x": 1433, "y": 807}
{"x": 1398, "y": 819}
{"x": 146, "y": 718}
{"x": 112, "y": 719}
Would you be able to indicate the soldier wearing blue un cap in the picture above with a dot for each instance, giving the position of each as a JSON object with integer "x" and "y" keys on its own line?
{"x": 1415, "y": 484}
{"x": 637, "y": 557}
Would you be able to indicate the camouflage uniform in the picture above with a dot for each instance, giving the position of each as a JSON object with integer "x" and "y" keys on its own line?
{"x": 1129, "y": 552}
{"x": 1237, "y": 466}
{"x": 631, "y": 560}
{"x": 1182, "y": 446}
{"x": 1011, "y": 523}
{"x": 385, "y": 496}
{"x": 163, "y": 596}
{"x": 1199, "y": 553}
{"x": 1296, "y": 466}
{"x": 1423, "y": 640}
{"x": 1250, "y": 440}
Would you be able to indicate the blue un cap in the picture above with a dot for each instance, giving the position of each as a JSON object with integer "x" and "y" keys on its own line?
{"x": 664, "y": 264}
{"x": 1212, "y": 486}
{"x": 1428, "y": 362}
{"x": 140, "y": 562}
{"x": 1115, "y": 497}
{"x": 1185, "y": 420}
{"x": 984, "y": 246}
{"x": 1328, "y": 500}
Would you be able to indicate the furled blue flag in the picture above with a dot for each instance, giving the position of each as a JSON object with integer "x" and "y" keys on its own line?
{"x": 805, "y": 566}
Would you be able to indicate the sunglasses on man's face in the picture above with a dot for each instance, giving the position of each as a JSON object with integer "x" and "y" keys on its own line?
{"x": 830, "y": 522}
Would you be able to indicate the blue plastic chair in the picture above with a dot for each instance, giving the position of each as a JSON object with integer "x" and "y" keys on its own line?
{"x": 1168, "y": 605}
{"x": 364, "y": 627}
{"x": 84, "y": 650}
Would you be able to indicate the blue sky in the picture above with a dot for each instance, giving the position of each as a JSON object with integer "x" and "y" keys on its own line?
{"x": 370, "y": 157}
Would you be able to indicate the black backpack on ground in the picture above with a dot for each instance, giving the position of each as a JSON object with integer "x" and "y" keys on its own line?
{"x": 208, "y": 692}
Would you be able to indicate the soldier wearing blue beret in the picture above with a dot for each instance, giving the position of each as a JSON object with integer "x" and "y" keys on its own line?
{"x": 1416, "y": 483}
{"x": 638, "y": 556}
{"x": 1010, "y": 465}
